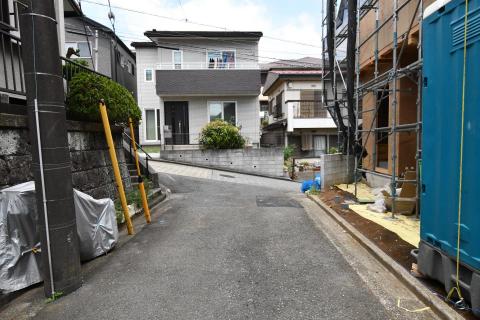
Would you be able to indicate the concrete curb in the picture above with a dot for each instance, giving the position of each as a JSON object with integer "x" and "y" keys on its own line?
{"x": 435, "y": 303}
{"x": 221, "y": 169}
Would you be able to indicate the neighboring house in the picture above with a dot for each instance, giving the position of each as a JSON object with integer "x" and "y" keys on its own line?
{"x": 12, "y": 84}
{"x": 189, "y": 78}
{"x": 96, "y": 44}
{"x": 297, "y": 114}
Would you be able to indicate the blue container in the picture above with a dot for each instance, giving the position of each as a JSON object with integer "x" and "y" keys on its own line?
{"x": 443, "y": 35}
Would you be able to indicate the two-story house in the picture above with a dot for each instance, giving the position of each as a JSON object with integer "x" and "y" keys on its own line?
{"x": 102, "y": 49}
{"x": 298, "y": 116}
{"x": 189, "y": 78}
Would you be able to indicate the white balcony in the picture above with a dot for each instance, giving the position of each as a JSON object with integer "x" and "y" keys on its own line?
{"x": 208, "y": 65}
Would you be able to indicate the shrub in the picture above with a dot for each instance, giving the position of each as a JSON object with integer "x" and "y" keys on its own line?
{"x": 220, "y": 134}
{"x": 288, "y": 151}
{"x": 332, "y": 150}
{"x": 85, "y": 91}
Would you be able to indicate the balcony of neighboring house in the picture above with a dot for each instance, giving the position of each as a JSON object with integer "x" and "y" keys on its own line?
{"x": 12, "y": 84}
{"x": 305, "y": 114}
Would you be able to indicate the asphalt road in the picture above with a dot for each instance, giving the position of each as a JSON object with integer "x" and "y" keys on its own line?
{"x": 222, "y": 250}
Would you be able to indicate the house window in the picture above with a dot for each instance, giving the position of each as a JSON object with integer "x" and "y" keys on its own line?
{"x": 83, "y": 48}
{"x": 177, "y": 59}
{"x": 221, "y": 59}
{"x": 150, "y": 125}
{"x": 278, "y": 105}
{"x": 131, "y": 68}
{"x": 148, "y": 75}
{"x": 223, "y": 110}
{"x": 4, "y": 14}
{"x": 319, "y": 145}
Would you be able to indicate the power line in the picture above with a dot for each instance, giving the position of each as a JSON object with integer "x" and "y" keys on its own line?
{"x": 198, "y": 23}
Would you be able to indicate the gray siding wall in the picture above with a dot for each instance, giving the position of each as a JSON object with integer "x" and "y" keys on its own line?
{"x": 248, "y": 109}
{"x": 175, "y": 82}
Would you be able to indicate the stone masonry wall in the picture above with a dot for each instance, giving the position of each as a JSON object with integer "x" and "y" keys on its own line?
{"x": 92, "y": 171}
{"x": 267, "y": 161}
{"x": 334, "y": 169}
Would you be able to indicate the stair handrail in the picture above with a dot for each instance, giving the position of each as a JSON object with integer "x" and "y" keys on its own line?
{"x": 137, "y": 145}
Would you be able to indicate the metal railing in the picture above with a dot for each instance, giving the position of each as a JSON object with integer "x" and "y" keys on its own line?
{"x": 208, "y": 65}
{"x": 11, "y": 66}
{"x": 70, "y": 68}
{"x": 308, "y": 109}
{"x": 148, "y": 157}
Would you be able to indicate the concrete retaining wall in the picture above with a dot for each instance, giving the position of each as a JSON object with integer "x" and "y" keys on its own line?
{"x": 267, "y": 161}
{"x": 334, "y": 169}
{"x": 92, "y": 171}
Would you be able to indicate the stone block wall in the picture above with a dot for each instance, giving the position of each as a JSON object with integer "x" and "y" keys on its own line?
{"x": 266, "y": 161}
{"x": 92, "y": 171}
{"x": 334, "y": 169}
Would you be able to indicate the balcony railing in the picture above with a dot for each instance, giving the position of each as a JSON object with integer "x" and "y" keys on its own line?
{"x": 208, "y": 65}
{"x": 70, "y": 68}
{"x": 308, "y": 109}
{"x": 11, "y": 67}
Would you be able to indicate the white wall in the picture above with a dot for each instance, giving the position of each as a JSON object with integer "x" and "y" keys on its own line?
{"x": 248, "y": 107}
{"x": 146, "y": 92}
{"x": 247, "y": 115}
{"x": 195, "y": 50}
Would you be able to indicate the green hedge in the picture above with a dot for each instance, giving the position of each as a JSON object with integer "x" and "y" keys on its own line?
{"x": 85, "y": 91}
{"x": 220, "y": 134}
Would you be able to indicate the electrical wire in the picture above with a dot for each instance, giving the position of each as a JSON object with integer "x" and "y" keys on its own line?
{"x": 199, "y": 23}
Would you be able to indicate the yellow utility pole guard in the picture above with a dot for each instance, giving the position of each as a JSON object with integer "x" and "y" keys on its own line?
{"x": 141, "y": 186}
{"x": 116, "y": 170}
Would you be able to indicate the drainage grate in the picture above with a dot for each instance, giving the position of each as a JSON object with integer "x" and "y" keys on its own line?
{"x": 277, "y": 202}
{"x": 226, "y": 176}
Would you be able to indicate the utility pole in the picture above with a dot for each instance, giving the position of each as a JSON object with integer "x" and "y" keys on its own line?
{"x": 50, "y": 155}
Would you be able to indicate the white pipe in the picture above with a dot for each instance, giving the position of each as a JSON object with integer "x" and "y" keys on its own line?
{"x": 44, "y": 197}
{"x": 96, "y": 50}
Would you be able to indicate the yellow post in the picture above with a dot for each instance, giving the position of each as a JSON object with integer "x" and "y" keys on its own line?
{"x": 141, "y": 186}
{"x": 116, "y": 170}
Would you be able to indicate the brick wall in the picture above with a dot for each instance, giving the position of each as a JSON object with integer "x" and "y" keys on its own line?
{"x": 267, "y": 161}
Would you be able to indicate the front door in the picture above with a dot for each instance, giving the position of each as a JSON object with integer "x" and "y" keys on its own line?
{"x": 176, "y": 120}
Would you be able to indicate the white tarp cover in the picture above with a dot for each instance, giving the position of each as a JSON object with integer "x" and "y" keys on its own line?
{"x": 96, "y": 225}
{"x": 20, "y": 260}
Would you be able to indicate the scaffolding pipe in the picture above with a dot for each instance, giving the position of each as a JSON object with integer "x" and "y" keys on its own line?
{"x": 331, "y": 39}
{"x": 394, "y": 107}
{"x": 351, "y": 66}
{"x": 419, "y": 109}
{"x": 357, "y": 102}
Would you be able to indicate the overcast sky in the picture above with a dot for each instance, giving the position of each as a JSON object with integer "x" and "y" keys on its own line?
{"x": 295, "y": 21}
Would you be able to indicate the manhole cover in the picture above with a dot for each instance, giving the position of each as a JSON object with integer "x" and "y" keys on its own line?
{"x": 277, "y": 202}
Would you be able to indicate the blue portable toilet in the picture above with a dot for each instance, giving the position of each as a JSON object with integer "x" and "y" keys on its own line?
{"x": 443, "y": 58}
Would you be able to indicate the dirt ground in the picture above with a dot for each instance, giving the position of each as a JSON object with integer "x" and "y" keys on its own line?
{"x": 386, "y": 240}
{"x": 390, "y": 243}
